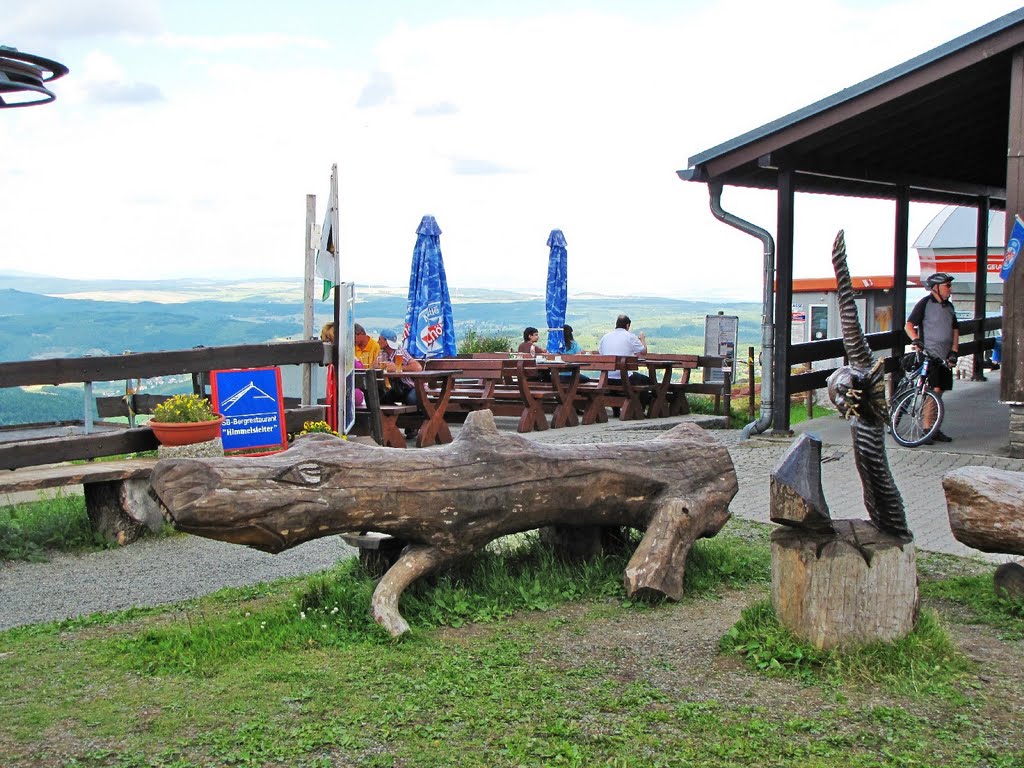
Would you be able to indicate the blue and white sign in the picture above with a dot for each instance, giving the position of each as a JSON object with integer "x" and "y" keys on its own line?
{"x": 250, "y": 400}
{"x": 1012, "y": 247}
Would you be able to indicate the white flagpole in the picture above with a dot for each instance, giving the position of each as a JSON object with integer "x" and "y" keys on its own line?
{"x": 341, "y": 356}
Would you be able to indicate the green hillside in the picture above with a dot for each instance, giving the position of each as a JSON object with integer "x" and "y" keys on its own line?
{"x": 34, "y": 325}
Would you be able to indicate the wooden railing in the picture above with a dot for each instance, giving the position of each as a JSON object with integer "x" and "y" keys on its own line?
{"x": 829, "y": 349}
{"x": 143, "y": 365}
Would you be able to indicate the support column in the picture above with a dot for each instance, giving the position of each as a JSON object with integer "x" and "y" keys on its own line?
{"x": 980, "y": 287}
{"x": 1011, "y": 380}
{"x": 783, "y": 300}
{"x": 899, "y": 270}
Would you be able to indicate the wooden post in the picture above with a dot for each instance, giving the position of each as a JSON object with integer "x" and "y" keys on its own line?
{"x": 810, "y": 395}
{"x": 307, "y": 297}
{"x": 1011, "y": 382}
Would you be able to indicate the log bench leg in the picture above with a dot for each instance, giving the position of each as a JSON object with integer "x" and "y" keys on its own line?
{"x": 377, "y": 551}
{"x": 122, "y": 510}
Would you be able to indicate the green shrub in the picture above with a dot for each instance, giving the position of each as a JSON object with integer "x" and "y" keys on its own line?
{"x": 474, "y": 342}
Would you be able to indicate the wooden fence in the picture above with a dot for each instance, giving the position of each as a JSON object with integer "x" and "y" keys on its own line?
{"x": 144, "y": 365}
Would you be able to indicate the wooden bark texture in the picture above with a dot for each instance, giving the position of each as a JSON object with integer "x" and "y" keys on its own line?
{"x": 795, "y": 492}
{"x": 453, "y": 499}
{"x": 845, "y": 588}
{"x": 1009, "y": 581}
{"x": 122, "y": 510}
{"x": 986, "y": 508}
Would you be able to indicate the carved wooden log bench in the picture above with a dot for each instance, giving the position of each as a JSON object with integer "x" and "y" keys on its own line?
{"x": 452, "y": 500}
{"x": 986, "y": 511}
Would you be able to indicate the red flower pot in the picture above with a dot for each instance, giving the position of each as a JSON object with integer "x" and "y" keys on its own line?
{"x": 186, "y": 432}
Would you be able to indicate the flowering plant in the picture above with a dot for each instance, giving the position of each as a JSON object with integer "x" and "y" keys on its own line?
{"x": 309, "y": 427}
{"x": 184, "y": 408}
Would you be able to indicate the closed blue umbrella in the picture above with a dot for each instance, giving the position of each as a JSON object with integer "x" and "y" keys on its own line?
{"x": 429, "y": 328}
{"x": 556, "y": 298}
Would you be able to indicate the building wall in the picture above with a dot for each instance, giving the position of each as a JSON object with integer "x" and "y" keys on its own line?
{"x": 874, "y": 308}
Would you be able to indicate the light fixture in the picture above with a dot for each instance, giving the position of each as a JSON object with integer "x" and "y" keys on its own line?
{"x": 22, "y": 78}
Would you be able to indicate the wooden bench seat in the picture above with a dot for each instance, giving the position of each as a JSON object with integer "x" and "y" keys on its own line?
{"x": 678, "y": 390}
{"x": 117, "y": 493}
{"x": 502, "y": 385}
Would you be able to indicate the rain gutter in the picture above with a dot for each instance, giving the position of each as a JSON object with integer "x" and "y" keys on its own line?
{"x": 767, "y": 312}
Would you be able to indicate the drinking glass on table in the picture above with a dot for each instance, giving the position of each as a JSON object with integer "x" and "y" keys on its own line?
{"x": 399, "y": 359}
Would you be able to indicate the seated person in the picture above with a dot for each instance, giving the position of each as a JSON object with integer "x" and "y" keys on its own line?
{"x": 530, "y": 338}
{"x": 623, "y": 342}
{"x": 367, "y": 349}
{"x": 399, "y": 391}
{"x": 572, "y": 347}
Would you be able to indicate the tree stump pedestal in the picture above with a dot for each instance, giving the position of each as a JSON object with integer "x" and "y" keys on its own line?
{"x": 845, "y": 587}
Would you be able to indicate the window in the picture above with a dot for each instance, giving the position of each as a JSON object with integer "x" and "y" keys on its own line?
{"x": 819, "y": 322}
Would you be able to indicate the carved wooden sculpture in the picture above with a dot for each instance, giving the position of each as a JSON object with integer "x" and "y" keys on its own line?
{"x": 844, "y": 582}
{"x": 451, "y": 500}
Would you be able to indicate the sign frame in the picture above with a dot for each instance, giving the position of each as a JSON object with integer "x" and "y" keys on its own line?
{"x": 721, "y": 335}
{"x": 243, "y": 429}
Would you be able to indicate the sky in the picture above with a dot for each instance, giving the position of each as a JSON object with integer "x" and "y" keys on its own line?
{"x": 188, "y": 134}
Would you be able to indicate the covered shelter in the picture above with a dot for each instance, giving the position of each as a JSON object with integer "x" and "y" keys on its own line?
{"x": 934, "y": 129}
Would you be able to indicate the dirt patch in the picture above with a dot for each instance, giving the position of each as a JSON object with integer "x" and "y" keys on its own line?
{"x": 674, "y": 648}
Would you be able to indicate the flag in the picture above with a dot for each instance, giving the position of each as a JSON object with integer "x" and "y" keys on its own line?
{"x": 1012, "y": 247}
{"x": 326, "y": 255}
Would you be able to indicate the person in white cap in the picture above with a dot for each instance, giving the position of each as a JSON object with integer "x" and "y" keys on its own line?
{"x": 395, "y": 357}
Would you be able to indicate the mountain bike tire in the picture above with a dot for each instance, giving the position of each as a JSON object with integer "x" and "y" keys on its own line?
{"x": 906, "y": 419}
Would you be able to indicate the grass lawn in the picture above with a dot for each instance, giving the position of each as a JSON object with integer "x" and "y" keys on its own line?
{"x": 518, "y": 659}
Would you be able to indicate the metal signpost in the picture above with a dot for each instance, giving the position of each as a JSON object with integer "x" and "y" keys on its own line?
{"x": 721, "y": 335}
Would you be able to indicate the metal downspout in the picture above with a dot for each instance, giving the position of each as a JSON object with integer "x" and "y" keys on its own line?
{"x": 767, "y": 311}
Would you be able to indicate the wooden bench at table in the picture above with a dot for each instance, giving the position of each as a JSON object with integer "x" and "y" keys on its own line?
{"x": 552, "y": 380}
{"x": 506, "y": 387}
{"x": 722, "y": 391}
{"x": 381, "y": 420}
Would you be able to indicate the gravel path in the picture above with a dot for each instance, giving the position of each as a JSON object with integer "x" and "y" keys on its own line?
{"x": 148, "y": 572}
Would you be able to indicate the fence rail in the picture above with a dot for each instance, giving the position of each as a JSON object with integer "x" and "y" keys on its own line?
{"x": 143, "y": 365}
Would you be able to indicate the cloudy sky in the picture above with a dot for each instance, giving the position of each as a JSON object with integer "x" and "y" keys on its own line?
{"x": 189, "y": 132}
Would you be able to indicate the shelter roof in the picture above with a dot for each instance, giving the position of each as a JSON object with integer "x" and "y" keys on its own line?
{"x": 935, "y": 124}
{"x": 957, "y": 227}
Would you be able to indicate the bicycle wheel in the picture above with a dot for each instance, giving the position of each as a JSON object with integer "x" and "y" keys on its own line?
{"x": 907, "y": 417}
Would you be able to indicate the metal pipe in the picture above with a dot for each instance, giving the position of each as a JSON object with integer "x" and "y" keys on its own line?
{"x": 767, "y": 312}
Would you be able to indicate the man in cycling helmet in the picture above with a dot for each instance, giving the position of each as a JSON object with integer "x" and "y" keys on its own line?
{"x": 932, "y": 326}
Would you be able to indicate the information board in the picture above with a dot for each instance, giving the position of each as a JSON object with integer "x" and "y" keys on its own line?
{"x": 250, "y": 400}
{"x": 721, "y": 335}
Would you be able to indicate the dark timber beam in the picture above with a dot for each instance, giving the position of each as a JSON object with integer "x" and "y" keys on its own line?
{"x": 981, "y": 282}
{"x": 899, "y": 269}
{"x": 783, "y": 300}
{"x": 1011, "y": 382}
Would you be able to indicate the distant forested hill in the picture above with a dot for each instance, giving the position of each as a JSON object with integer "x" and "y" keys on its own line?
{"x": 34, "y": 325}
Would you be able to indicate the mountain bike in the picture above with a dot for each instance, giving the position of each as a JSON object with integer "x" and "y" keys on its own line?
{"x": 911, "y": 401}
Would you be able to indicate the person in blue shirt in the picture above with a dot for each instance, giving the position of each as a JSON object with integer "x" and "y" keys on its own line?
{"x": 572, "y": 346}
